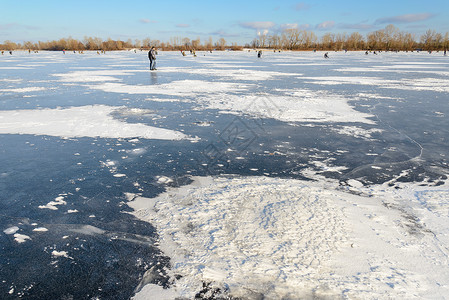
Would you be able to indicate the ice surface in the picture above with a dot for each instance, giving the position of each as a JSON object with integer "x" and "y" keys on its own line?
{"x": 366, "y": 122}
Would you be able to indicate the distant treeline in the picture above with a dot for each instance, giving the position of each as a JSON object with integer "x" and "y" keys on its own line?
{"x": 95, "y": 43}
{"x": 389, "y": 38}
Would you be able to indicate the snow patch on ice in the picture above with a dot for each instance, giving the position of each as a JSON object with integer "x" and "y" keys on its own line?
{"x": 243, "y": 233}
{"x": 24, "y": 90}
{"x": 356, "y": 132}
{"x": 92, "y": 76}
{"x": 296, "y": 106}
{"x": 52, "y": 204}
{"x": 118, "y": 175}
{"x": 56, "y": 253}
{"x": 21, "y": 238}
{"x": 175, "y": 88}
{"x": 40, "y": 229}
{"x": 418, "y": 84}
{"x": 11, "y": 230}
{"x": 156, "y": 292}
{"x": 83, "y": 121}
{"x": 274, "y": 238}
{"x": 164, "y": 180}
{"x": 235, "y": 73}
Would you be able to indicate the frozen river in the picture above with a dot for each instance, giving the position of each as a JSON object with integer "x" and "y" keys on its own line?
{"x": 287, "y": 176}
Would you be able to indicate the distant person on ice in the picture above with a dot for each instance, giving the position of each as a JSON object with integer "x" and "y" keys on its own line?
{"x": 152, "y": 57}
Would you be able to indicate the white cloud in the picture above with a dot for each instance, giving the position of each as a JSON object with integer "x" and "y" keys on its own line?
{"x": 302, "y": 6}
{"x": 258, "y": 25}
{"x": 325, "y": 25}
{"x": 289, "y": 26}
{"x": 147, "y": 21}
{"x": 182, "y": 25}
{"x": 410, "y": 18}
{"x": 223, "y": 33}
{"x": 358, "y": 26}
{"x": 14, "y": 26}
{"x": 260, "y": 33}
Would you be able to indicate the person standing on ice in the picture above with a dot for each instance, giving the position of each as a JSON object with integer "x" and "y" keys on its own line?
{"x": 152, "y": 57}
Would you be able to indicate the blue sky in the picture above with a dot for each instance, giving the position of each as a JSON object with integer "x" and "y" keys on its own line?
{"x": 235, "y": 20}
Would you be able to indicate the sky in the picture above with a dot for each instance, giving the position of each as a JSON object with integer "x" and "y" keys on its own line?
{"x": 237, "y": 21}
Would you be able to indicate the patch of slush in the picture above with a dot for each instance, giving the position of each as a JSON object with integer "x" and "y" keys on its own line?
{"x": 296, "y": 106}
{"x": 258, "y": 237}
{"x": 83, "y": 121}
{"x": 175, "y": 88}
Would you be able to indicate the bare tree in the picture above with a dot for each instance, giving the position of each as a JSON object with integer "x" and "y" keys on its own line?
{"x": 328, "y": 41}
{"x": 221, "y": 44}
{"x": 446, "y": 41}
{"x": 427, "y": 39}
{"x": 186, "y": 43}
{"x": 292, "y": 38}
{"x": 196, "y": 43}
{"x": 355, "y": 41}
{"x": 146, "y": 42}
